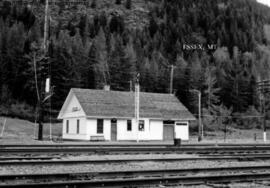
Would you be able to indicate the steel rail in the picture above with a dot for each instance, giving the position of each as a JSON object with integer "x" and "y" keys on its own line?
{"x": 26, "y": 158}
{"x": 104, "y": 161}
{"x": 130, "y": 149}
{"x": 200, "y": 156}
{"x": 134, "y": 177}
{"x": 100, "y": 144}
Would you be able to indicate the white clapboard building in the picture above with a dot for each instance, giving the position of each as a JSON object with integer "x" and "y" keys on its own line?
{"x": 109, "y": 115}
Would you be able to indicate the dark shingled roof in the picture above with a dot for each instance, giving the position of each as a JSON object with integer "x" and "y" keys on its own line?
{"x": 101, "y": 103}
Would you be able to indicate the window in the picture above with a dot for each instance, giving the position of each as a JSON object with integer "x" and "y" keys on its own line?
{"x": 100, "y": 126}
{"x": 141, "y": 125}
{"x": 182, "y": 123}
{"x": 129, "y": 125}
{"x": 74, "y": 109}
{"x": 67, "y": 126}
{"x": 78, "y": 126}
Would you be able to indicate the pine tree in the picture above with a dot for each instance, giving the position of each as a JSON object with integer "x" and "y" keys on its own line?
{"x": 128, "y": 4}
{"x": 118, "y": 2}
{"x": 120, "y": 67}
{"x": 94, "y": 4}
{"x": 102, "y": 67}
{"x": 211, "y": 91}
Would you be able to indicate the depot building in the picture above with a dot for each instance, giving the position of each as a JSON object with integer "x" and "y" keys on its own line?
{"x": 89, "y": 114}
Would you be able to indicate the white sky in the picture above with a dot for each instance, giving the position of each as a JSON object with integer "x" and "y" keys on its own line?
{"x": 266, "y": 2}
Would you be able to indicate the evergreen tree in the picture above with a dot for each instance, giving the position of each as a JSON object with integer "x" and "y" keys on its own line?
{"x": 102, "y": 66}
{"x": 128, "y": 4}
{"x": 211, "y": 90}
{"x": 120, "y": 67}
{"x": 94, "y": 4}
{"x": 118, "y": 2}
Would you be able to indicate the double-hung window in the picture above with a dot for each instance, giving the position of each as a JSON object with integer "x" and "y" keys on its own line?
{"x": 100, "y": 126}
{"x": 78, "y": 126}
{"x": 141, "y": 125}
{"x": 67, "y": 126}
{"x": 129, "y": 125}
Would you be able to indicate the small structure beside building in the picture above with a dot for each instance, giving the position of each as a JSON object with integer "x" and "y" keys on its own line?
{"x": 89, "y": 114}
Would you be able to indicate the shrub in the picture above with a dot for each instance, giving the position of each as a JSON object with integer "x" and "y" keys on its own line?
{"x": 22, "y": 110}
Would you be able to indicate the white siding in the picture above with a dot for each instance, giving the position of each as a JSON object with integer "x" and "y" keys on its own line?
{"x": 182, "y": 131}
{"x": 92, "y": 128}
{"x": 72, "y": 133}
{"x": 156, "y": 130}
{"x": 68, "y": 111}
{"x": 153, "y": 130}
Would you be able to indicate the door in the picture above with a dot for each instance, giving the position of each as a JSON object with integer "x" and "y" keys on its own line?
{"x": 168, "y": 130}
{"x": 113, "y": 130}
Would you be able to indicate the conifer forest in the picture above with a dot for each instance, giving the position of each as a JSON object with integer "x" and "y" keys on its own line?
{"x": 108, "y": 42}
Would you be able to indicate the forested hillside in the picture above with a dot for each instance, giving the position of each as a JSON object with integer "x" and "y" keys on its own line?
{"x": 110, "y": 41}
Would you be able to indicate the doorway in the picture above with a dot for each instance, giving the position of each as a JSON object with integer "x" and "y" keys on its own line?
{"x": 168, "y": 130}
{"x": 113, "y": 129}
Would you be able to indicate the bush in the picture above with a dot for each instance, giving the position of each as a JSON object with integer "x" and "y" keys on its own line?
{"x": 22, "y": 110}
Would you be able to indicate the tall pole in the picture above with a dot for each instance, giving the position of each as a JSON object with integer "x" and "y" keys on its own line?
{"x": 137, "y": 105}
{"x": 46, "y": 27}
{"x": 200, "y": 127}
{"x": 262, "y": 85}
{"x": 264, "y": 116}
{"x": 171, "y": 79}
{"x": 138, "y": 110}
{"x": 200, "y": 119}
{"x": 130, "y": 86}
{"x": 40, "y": 102}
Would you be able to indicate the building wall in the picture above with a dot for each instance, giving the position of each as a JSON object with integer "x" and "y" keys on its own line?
{"x": 92, "y": 128}
{"x": 153, "y": 130}
{"x": 72, "y": 133}
{"x": 181, "y": 130}
{"x": 156, "y": 129}
{"x": 69, "y": 111}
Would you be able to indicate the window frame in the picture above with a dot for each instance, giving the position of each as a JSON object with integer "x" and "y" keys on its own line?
{"x": 78, "y": 127}
{"x": 67, "y": 126}
{"x": 141, "y": 123}
{"x": 100, "y": 124}
{"x": 129, "y": 125}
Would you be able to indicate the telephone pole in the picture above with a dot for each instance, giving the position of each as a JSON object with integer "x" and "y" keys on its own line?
{"x": 263, "y": 87}
{"x": 171, "y": 79}
{"x": 41, "y": 97}
{"x": 137, "y": 104}
{"x": 200, "y": 127}
{"x": 45, "y": 42}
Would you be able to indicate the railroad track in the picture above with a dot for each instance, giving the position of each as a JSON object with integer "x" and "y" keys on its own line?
{"x": 135, "y": 150}
{"x": 194, "y": 176}
{"x": 140, "y": 144}
{"x": 58, "y": 161}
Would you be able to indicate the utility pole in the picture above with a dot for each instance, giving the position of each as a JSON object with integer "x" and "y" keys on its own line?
{"x": 41, "y": 93}
{"x": 262, "y": 86}
{"x": 130, "y": 85}
{"x": 171, "y": 79}
{"x": 200, "y": 116}
{"x": 200, "y": 127}
{"x": 137, "y": 104}
{"x": 45, "y": 42}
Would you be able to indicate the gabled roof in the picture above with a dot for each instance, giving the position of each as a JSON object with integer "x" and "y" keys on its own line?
{"x": 119, "y": 104}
